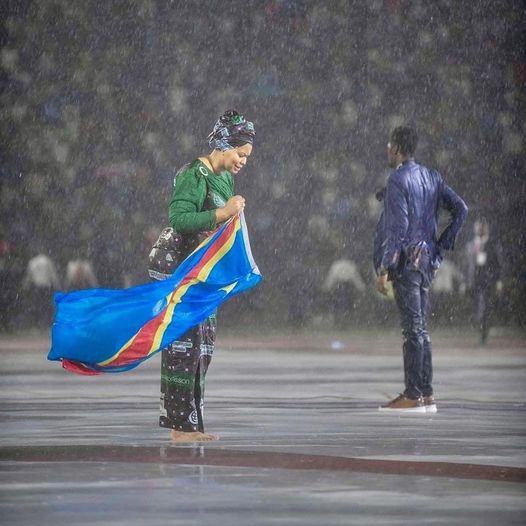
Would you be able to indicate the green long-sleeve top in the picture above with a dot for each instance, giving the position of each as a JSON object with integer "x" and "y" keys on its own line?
{"x": 196, "y": 194}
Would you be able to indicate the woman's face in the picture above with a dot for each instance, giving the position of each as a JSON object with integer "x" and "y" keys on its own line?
{"x": 236, "y": 158}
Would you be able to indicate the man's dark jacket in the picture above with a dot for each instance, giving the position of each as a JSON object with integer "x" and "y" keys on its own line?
{"x": 413, "y": 198}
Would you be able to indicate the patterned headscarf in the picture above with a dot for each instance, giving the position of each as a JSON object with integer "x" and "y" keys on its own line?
{"x": 230, "y": 131}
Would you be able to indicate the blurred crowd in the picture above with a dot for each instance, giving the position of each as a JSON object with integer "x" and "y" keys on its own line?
{"x": 102, "y": 101}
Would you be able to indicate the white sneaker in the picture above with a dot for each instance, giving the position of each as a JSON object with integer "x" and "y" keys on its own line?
{"x": 429, "y": 404}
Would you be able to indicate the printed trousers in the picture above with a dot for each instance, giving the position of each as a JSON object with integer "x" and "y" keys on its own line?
{"x": 184, "y": 365}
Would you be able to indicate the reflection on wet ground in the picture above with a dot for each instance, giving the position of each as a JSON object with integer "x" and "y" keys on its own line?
{"x": 301, "y": 441}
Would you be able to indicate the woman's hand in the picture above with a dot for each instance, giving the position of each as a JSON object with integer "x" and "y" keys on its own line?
{"x": 233, "y": 206}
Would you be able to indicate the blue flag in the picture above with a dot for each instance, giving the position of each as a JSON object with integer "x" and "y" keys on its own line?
{"x": 114, "y": 330}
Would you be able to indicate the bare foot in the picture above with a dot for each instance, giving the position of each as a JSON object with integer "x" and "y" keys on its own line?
{"x": 193, "y": 436}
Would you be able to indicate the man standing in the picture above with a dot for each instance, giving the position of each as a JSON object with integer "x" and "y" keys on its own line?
{"x": 407, "y": 252}
{"x": 484, "y": 268}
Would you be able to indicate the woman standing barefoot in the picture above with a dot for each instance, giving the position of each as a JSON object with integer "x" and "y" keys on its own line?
{"x": 203, "y": 197}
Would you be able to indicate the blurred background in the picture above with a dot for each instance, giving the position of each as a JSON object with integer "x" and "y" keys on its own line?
{"x": 102, "y": 101}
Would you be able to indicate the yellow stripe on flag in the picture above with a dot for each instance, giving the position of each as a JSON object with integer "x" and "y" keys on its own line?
{"x": 128, "y": 343}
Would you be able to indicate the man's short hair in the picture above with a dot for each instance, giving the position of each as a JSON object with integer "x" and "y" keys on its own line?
{"x": 405, "y": 138}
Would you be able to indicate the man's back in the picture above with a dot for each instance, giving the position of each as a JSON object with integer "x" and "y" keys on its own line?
{"x": 414, "y": 196}
{"x": 421, "y": 188}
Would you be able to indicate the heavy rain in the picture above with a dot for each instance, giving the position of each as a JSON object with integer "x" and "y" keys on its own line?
{"x": 104, "y": 101}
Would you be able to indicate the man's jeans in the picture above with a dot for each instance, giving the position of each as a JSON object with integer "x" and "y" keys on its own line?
{"x": 411, "y": 291}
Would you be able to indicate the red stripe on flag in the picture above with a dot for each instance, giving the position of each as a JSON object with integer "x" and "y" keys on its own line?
{"x": 78, "y": 368}
{"x": 211, "y": 252}
{"x": 141, "y": 344}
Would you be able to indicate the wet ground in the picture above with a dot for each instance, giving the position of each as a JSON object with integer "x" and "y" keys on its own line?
{"x": 301, "y": 441}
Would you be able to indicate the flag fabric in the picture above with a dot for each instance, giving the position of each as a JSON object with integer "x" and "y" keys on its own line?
{"x": 114, "y": 330}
